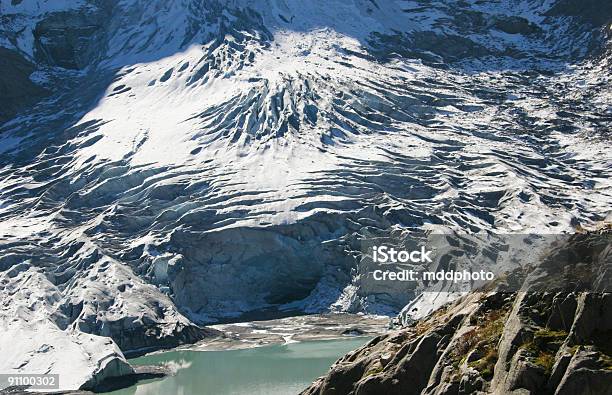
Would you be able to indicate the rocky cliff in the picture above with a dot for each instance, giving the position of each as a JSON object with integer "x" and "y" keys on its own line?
{"x": 493, "y": 342}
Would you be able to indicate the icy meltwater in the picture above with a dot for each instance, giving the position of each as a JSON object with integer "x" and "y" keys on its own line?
{"x": 270, "y": 370}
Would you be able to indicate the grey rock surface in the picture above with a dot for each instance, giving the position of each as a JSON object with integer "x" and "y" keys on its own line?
{"x": 488, "y": 343}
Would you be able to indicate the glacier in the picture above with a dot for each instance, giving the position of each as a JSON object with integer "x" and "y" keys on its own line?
{"x": 166, "y": 165}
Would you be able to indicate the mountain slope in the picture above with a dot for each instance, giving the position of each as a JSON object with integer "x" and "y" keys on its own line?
{"x": 169, "y": 153}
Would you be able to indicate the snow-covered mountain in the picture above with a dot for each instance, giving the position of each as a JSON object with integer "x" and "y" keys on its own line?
{"x": 171, "y": 163}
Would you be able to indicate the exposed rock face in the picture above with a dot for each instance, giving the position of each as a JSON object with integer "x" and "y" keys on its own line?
{"x": 526, "y": 342}
{"x": 68, "y": 39}
{"x": 486, "y": 343}
{"x": 16, "y": 89}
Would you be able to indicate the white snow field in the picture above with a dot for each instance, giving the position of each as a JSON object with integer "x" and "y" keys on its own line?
{"x": 195, "y": 160}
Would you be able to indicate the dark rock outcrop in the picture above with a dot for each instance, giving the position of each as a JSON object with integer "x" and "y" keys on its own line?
{"x": 67, "y": 39}
{"x": 527, "y": 342}
{"x": 466, "y": 348}
{"x": 16, "y": 89}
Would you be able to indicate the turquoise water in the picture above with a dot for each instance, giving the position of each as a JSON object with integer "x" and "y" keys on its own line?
{"x": 269, "y": 370}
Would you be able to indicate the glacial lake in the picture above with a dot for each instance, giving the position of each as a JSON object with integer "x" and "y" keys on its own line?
{"x": 267, "y": 370}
